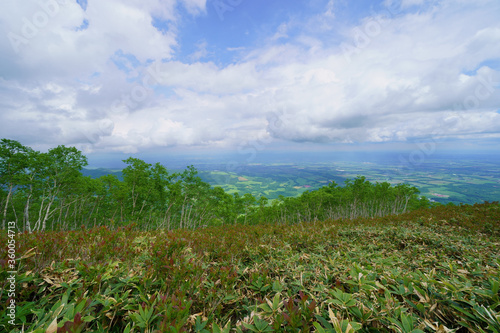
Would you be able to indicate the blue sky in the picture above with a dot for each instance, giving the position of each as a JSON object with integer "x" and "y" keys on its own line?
{"x": 229, "y": 28}
{"x": 159, "y": 76}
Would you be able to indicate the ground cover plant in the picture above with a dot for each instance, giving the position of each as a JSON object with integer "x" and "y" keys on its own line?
{"x": 431, "y": 270}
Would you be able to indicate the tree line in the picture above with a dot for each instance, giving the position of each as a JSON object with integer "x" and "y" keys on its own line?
{"x": 47, "y": 191}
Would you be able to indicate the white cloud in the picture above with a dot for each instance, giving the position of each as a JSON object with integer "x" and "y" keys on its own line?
{"x": 282, "y": 32}
{"x": 330, "y": 12}
{"x": 59, "y": 48}
{"x": 195, "y": 7}
{"x": 201, "y": 51}
{"x": 411, "y": 75}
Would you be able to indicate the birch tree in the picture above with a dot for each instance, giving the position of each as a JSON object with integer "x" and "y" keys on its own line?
{"x": 13, "y": 164}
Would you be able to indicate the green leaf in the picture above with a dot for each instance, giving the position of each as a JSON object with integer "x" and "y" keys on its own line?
{"x": 250, "y": 327}
{"x": 127, "y": 329}
{"x": 142, "y": 312}
{"x": 150, "y": 313}
{"x": 216, "y": 329}
{"x": 261, "y": 325}
{"x": 199, "y": 325}
{"x": 407, "y": 322}
{"x": 65, "y": 298}
{"x": 462, "y": 310}
{"x": 356, "y": 312}
{"x": 324, "y": 322}
{"x": 80, "y": 306}
{"x": 276, "y": 302}
{"x": 277, "y": 287}
{"x": 495, "y": 286}
{"x": 136, "y": 317}
{"x": 88, "y": 319}
{"x": 318, "y": 327}
{"x": 265, "y": 307}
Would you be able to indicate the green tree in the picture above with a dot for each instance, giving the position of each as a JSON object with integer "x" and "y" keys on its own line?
{"x": 137, "y": 177}
{"x": 115, "y": 198}
{"x": 221, "y": 207}
{"x": 60, "y": 172}
{"x": 13, "y": 164}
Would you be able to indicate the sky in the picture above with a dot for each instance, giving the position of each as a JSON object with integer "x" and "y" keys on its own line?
{"x": 167, "y": 76}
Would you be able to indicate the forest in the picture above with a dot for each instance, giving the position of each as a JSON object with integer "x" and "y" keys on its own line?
{"x": 47, "y": 191}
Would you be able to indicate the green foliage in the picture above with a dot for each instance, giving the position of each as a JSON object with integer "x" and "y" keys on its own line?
{"x": 46, "y": 191}
{"x": 427, "y": 270}
{"x": 162, "y": 251}
{"x": 358, "y": 198}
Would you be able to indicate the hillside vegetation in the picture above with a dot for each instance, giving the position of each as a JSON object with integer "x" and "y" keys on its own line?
{"x": 431, "y": 270}
{"x": 165, "y": 252}
{"x": 47, "y": 191}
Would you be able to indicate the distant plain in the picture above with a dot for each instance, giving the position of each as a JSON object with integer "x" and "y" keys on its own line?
{"x": 444, "y": 178}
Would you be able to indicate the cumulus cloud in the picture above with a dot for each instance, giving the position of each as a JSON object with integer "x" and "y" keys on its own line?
{"x": 108, "y": 77}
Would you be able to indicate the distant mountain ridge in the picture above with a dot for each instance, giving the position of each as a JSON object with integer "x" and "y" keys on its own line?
{"x": 99, "y": 172}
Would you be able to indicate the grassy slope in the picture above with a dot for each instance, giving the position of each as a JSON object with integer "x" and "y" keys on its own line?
{"x": 432, "y": 270}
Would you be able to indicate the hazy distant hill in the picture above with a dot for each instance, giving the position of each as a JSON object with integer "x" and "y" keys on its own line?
{"x": 98, "y": 172}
